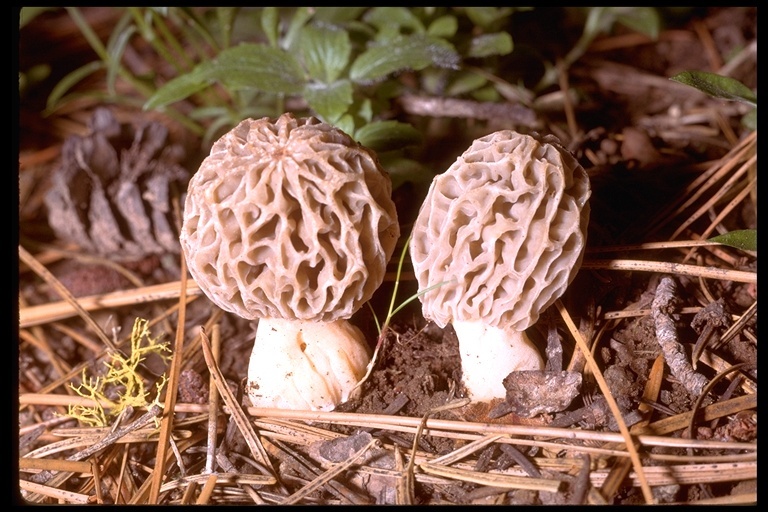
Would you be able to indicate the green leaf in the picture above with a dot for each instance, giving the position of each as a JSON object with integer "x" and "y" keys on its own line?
{"x": 365, "y": 110}
{"x": 407, "y": 52}
{"x": 33, "y": 75}
{"x": 717, "y": 86}
{"x": 299, "y": 19}
{"x": 745, "y": 239}
{"x": 641, "y": 19}
{"x": 261, "y": 67}
{"x": 329, "y": 102}
{"x": 182, "y": 87}
{"x": 499, "y": 43}
{"x": 27, "y": 14}
{"x": 326, "y": 52}
{"x": 599, "y": 20}
{"x": 486, "y": 17}
{"x": 226, "y": 17}
{"x": 346, "y": 124}
{"x": 387, "y": 135}
{"x": 445, "y": 26}
{"x": 66, "y": 83}
{"x": 199, "y": 26}
{"x": 749, "y": 120}
{"x": 246, "y": 66}
{"x": 270, "y": 19}
{"x": 464, "y": 82}
{"x": 486, "y": 94}
{"x": 338, "y": 15}
{"x": 118, "y": 41}
{"x": 394, "y": 19}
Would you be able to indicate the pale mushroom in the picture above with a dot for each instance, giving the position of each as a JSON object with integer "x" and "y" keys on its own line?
{"x": 291, "y": 222}
{"x": 503, "y": 230}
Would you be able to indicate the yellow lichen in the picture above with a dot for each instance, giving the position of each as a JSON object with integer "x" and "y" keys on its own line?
{"x": 122, "y": 380}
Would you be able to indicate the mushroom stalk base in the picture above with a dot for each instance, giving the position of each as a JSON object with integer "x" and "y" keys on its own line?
{"x": 489, "y": 354}
{"x": 305, "y": 365}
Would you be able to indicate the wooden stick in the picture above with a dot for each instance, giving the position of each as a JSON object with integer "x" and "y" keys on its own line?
{"x": 53, "y": 311}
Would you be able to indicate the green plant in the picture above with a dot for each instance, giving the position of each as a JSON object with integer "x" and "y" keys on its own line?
{"x": 393, "y": 310}
{"x": 724, "y": 87}
{"x": 745, "y": 239}
{"x": 727, "y": 88}
{"x": 338, "y": 63}
{"x": 217, "y": 66}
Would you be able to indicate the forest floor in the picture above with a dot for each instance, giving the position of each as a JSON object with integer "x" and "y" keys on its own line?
{"x": 670, "y": 167}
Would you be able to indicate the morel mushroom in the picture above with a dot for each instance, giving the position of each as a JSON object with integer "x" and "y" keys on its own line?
{"x": 504, "y": 230}
{"x": 291, "y": 222}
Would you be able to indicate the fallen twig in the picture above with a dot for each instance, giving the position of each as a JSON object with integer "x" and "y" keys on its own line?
{"x": 328, "y": 475}
{"x": 251, "y": 439}
{"x": 673, "y": 268}
{"x": 111, "y": 438}
{"x": 666, "y": 334}
{"x": 515, "y": 114}
{"x": 628, "y": 438}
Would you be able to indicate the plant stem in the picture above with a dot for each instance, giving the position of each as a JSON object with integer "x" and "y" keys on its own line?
{"x": 143, "y": 89}
{"x": 156, "y": 42}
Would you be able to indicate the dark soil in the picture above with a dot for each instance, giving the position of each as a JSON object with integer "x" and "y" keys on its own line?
{"x": 640, "y": 157}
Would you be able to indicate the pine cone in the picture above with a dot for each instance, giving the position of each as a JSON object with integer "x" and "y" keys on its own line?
{"x": 111, "y": 191}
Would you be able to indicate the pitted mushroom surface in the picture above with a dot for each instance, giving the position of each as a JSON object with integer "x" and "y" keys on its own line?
{"x": 504, "y": 230}
{"x": 290, "y": 220}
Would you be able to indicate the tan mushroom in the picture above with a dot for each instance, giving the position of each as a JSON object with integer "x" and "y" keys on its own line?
{"x": 504, "y": 228}
{"x": 290, "y": 222}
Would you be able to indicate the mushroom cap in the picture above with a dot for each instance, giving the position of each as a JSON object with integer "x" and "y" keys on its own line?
{"x": 505, "y": 228}
{"x": 289, "y": 218}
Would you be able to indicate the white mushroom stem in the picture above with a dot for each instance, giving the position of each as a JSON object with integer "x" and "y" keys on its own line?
{"x": 305, "y": 365}
{"x": 489, "y": 354}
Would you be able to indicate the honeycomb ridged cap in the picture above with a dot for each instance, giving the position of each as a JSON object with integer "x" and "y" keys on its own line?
{"x": 504, "y": 228}
{"x": 289, "y": 218}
